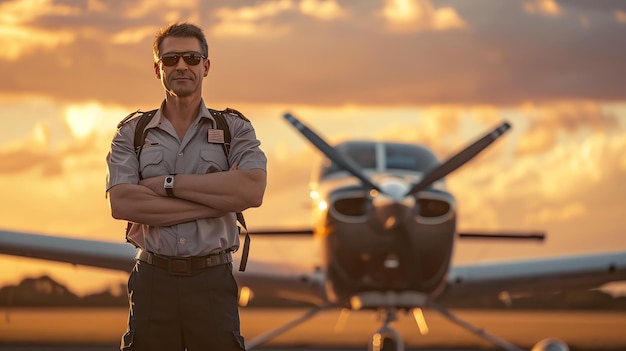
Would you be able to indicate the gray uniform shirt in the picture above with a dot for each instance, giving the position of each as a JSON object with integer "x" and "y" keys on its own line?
{"x": 164, "y": 153}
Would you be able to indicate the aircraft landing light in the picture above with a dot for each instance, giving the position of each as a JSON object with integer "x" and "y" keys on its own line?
{"x": 314, "y": 194}
{"x": 420, "y": 320}
{"x": 390, "y": 222}
{"x": 322, "y": 205}
{"x": 355, "y": 303}
{"x": 245, "y": 295}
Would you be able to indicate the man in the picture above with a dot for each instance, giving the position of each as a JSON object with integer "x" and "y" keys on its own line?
{"x": 181, "y": 195}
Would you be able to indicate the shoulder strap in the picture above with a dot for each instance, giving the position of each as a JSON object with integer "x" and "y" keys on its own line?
{"x": 220, "y": 120}
{"x": 140, "y": 136}
{"x": 140, "y": 132}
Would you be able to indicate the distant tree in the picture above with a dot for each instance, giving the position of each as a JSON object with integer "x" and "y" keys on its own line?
{"x": 37, "y": 292}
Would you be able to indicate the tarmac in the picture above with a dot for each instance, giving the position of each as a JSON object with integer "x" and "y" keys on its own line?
{"x": 27, "y": 330}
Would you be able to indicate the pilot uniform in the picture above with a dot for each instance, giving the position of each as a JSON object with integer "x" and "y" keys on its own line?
{"x": 181, "y": 290}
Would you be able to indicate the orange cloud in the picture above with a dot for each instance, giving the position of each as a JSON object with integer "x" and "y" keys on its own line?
{"x": 134, "y": 35}
{"x": 19, "y": 35}
{"x": 251, "y": 20}
{"x": 565, "y": 213}
{"x": 548, "y": 7}
{"x": 404, "y": 16}
{"x": 325, "y": 10}
{"x": 548, "y": 121}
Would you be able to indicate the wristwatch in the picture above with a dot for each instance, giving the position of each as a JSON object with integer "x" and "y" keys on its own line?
{"x": 168, "y": 185}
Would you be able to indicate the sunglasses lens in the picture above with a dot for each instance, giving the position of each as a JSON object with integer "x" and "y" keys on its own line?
{"x": 170, "y": 60}
{"x": 192, "y": 59}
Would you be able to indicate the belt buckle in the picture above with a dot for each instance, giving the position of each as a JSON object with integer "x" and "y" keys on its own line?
{"x": 179, "y": 266}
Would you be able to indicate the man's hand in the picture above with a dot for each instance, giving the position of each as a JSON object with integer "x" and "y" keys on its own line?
{"x": 156, "y": 184}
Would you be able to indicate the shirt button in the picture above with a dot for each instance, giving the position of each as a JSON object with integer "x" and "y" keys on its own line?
{"x": 180, "y": 153}
{"x": 182, "y": 240}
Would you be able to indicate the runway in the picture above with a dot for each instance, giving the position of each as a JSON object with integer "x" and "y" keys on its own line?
{"x": 111, "y": 348}
{"x": 100, "y": 329}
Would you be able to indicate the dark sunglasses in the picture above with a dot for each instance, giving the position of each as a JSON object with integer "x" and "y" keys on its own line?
{"x": 191, "y": 58}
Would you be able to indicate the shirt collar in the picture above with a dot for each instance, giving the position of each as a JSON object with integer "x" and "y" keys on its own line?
{"x": 203, "y": 112}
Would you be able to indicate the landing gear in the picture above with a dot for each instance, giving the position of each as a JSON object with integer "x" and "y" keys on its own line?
{"x": 475, "y": 330}
{"x": 387, "y": 338}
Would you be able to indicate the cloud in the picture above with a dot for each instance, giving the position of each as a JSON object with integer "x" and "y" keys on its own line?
{"x": 251, "y": 20}
{"x": 134, "y": 35}
{"x": 562, "y": 214}
{"x": 322, "y": 9}
{"x": 19, "y": 33}
{"x": 35, "y": 154}
{"x": 547, "y": 7}
{"x": 333, "y": 53}
{"x": 419, "y": 15}
{"x": 549, "y": 122}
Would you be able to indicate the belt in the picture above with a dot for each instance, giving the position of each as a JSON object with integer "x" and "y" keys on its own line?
{"x": 184, "y": 265}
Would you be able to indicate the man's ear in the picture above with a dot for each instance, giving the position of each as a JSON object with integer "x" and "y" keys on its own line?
{"x": 157, "y": 70}
{"x": 207, "y": 65}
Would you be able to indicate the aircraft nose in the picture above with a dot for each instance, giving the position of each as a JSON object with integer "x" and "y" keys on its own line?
{"x": 395, "y": 189}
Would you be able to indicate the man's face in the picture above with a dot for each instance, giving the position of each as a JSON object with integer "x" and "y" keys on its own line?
{"x": 182, "y": 78}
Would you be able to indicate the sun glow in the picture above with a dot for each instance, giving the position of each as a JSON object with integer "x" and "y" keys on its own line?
{"x": 87, "y": 119}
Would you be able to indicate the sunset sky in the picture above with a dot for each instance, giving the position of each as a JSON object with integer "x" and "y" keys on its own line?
{"x": 439, "y": 73}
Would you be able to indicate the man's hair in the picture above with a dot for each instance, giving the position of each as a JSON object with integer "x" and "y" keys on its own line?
{"x": 179, "y": 30}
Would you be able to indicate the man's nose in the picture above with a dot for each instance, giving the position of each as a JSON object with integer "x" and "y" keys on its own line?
{"x": 181, "y": 65}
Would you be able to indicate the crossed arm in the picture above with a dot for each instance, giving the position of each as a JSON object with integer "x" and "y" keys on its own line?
{"x": 196, "y": 196}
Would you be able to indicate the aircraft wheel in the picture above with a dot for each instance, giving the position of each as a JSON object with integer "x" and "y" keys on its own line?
{"x": 389, "y": 344}
{"x": 385, "y": 342}
{"x": 550, "y": 344}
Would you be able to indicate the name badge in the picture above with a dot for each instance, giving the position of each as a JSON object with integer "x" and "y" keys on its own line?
{"x": 216, "y": 136}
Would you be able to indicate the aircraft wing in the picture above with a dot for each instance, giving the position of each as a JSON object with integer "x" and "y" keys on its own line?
{"x": 277, "y": 278}
{"x": 534, "y": 275}
{"x": 284, "y": 278}
{"x": 94, "y": 253}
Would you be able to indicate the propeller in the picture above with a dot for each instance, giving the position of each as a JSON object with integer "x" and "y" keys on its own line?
{"x": 459, "y": 159}
{"x": 330, "y": 152}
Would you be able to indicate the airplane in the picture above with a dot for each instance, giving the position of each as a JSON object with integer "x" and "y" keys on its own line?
{"x": 386, "y": 226}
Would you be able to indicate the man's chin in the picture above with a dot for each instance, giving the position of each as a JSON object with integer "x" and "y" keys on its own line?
{"x": 180, "y": 92}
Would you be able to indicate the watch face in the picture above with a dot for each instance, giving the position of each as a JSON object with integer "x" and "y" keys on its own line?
{"x": 169, "y": 185}
{"x": 169, "y": 181}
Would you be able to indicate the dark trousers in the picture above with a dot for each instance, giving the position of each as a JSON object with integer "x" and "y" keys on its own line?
{"x": 174, "y": 313}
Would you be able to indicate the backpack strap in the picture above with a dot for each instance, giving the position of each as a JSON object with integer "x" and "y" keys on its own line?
{"x": 140, "y": 136}
{"x": 141, "y": 132}
{"x": 220, "y": 120}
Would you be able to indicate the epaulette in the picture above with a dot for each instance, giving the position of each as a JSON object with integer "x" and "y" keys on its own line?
{"x": 232, "y": 111}
{"x": 129, "y": 117}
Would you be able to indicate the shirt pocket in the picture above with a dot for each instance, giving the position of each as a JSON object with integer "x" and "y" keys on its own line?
{"x": 151, "y": 163}
{"x": 212, "y": 160}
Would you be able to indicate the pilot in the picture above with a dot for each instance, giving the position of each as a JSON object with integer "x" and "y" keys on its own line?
{"x": 180, "y": 191}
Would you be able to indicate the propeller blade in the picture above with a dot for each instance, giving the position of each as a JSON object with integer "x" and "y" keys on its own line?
{"x": 459, "y": 159}
{"x": 330, "y": 152}
{"x": 539, "y": 236}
